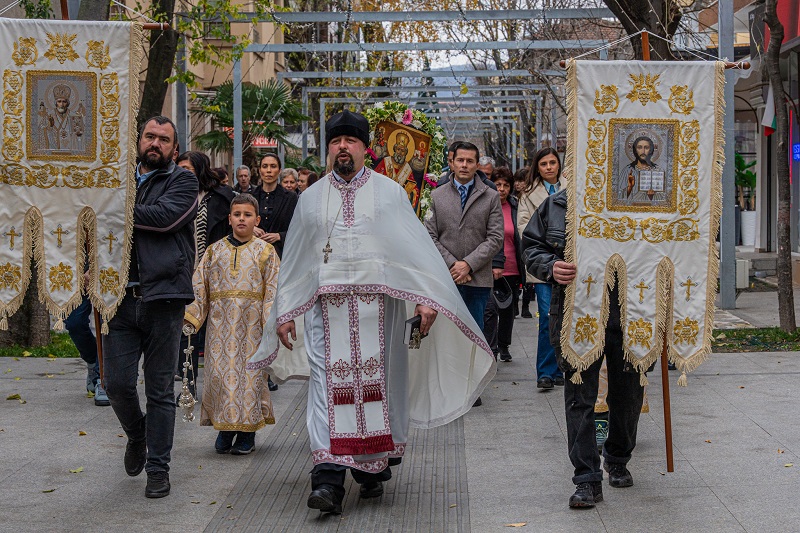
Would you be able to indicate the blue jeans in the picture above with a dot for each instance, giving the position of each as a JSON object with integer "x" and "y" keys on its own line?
{"x": 77, "y": 325}
{"x": 476, "y": 299}
{"x": 152, "y": 330}
{"x": 546, "y": 364}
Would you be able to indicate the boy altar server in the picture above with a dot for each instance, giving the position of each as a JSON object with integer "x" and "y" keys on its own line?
{"x": 357, "y": 264}
{"x": 234, "y": 287}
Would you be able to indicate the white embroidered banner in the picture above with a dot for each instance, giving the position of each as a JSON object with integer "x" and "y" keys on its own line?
{"x": 646, "y": 149}
{"x": 69, "y": 105}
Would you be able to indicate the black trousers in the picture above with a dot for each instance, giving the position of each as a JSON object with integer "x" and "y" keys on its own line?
{"x": 505, "y": 325}
{"x": 624, "y": 402}
{"x": 490, "y": 320}
{"x": 333, "y": 475}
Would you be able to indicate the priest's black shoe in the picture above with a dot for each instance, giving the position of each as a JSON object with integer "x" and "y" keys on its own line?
{"x": 157, "y": 484}
{"x": 372, "y": 489}
{"x": 618, "y": 475}
{"x": 325, "y": 500}
{"x": 544, "y": 383}
{"x": 587, "y": 495}
{"x": 135, "y": 457}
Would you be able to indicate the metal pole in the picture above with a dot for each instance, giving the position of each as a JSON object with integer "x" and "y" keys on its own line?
{"x": 514, "y": 141}
{"x": 727, "y": 255}
{"x": 304, "y": 142}
{"x": 321, "y": 147}
{"x": 181, "y": 107}
{"x": 237, "y": 113}
{"x": 539, "y": 124}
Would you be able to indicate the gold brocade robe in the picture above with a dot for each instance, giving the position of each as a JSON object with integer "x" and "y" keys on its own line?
{"x": 234, "y": 288}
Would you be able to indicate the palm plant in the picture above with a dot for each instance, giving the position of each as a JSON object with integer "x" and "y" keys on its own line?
{"x": 745, "y": 179}
{"x": 267, "y": 109}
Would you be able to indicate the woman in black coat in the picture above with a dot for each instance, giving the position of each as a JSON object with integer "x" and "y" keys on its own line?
{"x": 214, "y": 203}
{"x": 276, "y": 204}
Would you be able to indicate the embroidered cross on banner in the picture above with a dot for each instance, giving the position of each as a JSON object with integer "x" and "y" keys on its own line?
{"x": 13, "y": 233}
{"x": 588, "y": 281}
{"x": 110, "y": 238}
{"x": 641, "y": 286}
{"x": 59, "y": 232}
{"x": 688, "y": 284}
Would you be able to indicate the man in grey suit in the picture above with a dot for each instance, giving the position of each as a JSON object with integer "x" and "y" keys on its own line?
{"x": 465, "y": 221}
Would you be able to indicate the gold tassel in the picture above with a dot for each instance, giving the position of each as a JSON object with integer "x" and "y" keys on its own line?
{"x": 683, "y": 381}
{"x": 59, "y": 325}
{"x": 4, "y": 324}
{"x": 643, "y": 380}
{"x": 576, "y": 378}
{"x": 104, "y": 328}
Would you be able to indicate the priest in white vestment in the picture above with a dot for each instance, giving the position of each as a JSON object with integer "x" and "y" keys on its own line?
{"x": 357, "y": 264}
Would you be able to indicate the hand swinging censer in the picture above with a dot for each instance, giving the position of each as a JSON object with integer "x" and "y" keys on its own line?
{"x": 186, "y": 400}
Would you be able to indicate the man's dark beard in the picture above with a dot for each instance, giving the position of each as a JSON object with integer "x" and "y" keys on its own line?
{"x": 346, "y": 168}
{"x": 154, "y": 160}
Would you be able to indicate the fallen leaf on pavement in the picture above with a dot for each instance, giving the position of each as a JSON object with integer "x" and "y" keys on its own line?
{"x": 89, "y": 394}
{"x": 17, "y": 378}
{"x": 741, "y": 386}
{"x": 48, "y": 491}
{"x": 120, "y": 435}
{"x": 17, "y": 359}
{"x": 708, "y": 441}
{"x": 51, "y": 356}
{"x": 48, "y": 376}
{"x": 81, "y": 433}
{"x": 16, "y": 397}
{"x": 788, "y": 465}
{"x": 77, "y": 470}
{"x": 213, "y": 503}
{"x": 514, "y": 383}
{"x": 453, "y": 505}
{"x": 662, "y": 473}
{"x": 195, "y": 501}
{"x": 26, "y": 354}
{"x": 229, "y": 506}
{"x": 517, "y": 524}
{"x": 780, "y": 451}
{"x": 9, "y": 370}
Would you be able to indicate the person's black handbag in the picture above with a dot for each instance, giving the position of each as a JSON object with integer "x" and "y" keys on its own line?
{"x": 503, "y": 294}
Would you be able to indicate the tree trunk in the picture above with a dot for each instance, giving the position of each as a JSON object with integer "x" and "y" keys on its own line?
{"x": 659, "y": 17}
{"x": 785, "y": 290}
{"x": 94, "y": 10}
{"x": 30, "y": 325}
{"x": 163, "y": 45}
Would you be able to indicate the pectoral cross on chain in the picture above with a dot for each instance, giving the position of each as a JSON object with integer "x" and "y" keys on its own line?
{"x": 110, "y": 238}
{"x": 641, "y": 286}
{"x": 689, "y": 284}
{"x": 327, "y": 251}
{"x": 59, "y": 232}
{"x": 588, "y": 281}
{"x": 13, "y": 233}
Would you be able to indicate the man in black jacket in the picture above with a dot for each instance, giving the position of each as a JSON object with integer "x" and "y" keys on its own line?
{"x": 150, "y": 317}
{"x": 543, "y": 244}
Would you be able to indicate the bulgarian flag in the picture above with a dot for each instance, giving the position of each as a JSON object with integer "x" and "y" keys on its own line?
{"x": 768, "y": 120}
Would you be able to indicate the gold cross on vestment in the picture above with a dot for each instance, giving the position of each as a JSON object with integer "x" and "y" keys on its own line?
{"x": 641, "y": 286}
{"x": 327, "y": 250}
{"x": 110, "y": 238}
{"x": 13, "y": 233}
{"x": 689, "y": 284}
{"x": 588, "y": 281}
{"x": 59, "y": 232}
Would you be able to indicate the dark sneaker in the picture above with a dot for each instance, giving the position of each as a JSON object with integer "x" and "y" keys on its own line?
{"x": 559, "y": 381}
{"x": 526, "y": 313}
{"x": 544, "y": 383}
{"x": 325, "y": 500}
{"x": 245, "y": 443}
{"x": 100, "y": 396}
{"x": 135, "y": 457}
{"x": 272, "y": 385}
{"x": 224, "y": 441}
{"x": 373, "y": 489}
{"x": 157, "y": 485}
{"x": 618, "y": 475}
{"x": 478, "y": 402}
{"x": 586, "y": 495}
{"x": 505, "y": 355}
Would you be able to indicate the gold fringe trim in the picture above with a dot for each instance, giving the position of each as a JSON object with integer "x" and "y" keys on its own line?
{"x": 576, "y": 378}
{"x": 242, "y": 427}
{"x": 104, "y": 327}
{"x": 683, "y": 381}
{"x": 643, "y": 380}
{"x": 4, "y": 324}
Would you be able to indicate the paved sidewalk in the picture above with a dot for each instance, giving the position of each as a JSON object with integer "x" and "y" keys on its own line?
{"x": 503, "y": 463}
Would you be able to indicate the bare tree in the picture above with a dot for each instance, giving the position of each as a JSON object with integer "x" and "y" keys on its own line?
{"x": 785, "y": 291}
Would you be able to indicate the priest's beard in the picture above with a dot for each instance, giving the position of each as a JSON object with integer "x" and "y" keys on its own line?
{"x": 344, "y": 169}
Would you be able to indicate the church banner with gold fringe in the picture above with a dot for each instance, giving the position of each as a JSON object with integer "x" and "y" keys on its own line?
{"x": 69, "y": 105}
{"x": 645, "y": 147}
